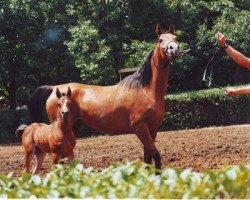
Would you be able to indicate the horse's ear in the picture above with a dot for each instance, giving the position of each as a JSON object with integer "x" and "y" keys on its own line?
{"x": 58, "y": 93}
{"x": 69, "y": 92}
{"x": 171, "y": 28}
{"x": 158, "y": 29}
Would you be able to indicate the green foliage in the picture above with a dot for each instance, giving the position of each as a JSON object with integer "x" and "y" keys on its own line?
{"x": 136, "y": 52}
{"x": 10, "y": 120}
{"x": 129, "y": 180}
{"x": 53, "y": 42}
{"x": 205, "y": 108}
{"x": 199, "y": 19}
{"x": 32, "y": 49}
{"x": 92, "y": 55}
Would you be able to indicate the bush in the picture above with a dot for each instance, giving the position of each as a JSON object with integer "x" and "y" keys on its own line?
{"x": 205, "y": 108}
{"x": 9, "y": 121}
{"x": 129, "y": 180}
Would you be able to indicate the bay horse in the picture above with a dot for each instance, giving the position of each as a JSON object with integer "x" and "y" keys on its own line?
{"x": 56, "y": 138}
{"x": 134, "y": 105}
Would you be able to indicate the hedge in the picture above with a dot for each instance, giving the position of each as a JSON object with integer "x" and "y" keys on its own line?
{"x": 195, "y": 109}
{"x": 204, "y": 108}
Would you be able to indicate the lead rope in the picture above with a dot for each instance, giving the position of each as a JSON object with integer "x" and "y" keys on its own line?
{"x": 208, "y": 79}
{"x": 182, "y": 52}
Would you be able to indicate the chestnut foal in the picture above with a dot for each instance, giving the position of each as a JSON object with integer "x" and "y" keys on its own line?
{"x": 56, "y": 138}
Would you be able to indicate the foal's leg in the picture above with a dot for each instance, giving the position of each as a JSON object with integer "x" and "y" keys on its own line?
{"x": 29, "y": 147}
{"x": 70, "y": 157}
{"x": 29, "y": 153}
{"x": 39, "y": 160}
{"x": 148, "y": 143}
{"x": 55, "y": 157}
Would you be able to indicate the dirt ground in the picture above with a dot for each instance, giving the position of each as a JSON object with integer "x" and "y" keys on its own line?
{"x": 207, "y": 148}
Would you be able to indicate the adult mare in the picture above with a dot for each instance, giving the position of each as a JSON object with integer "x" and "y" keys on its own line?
{"x": 134, "y": 105}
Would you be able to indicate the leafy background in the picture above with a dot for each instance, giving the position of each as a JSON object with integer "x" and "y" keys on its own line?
{"x": 129, "y": 180}
{"x": 53, "y": 42}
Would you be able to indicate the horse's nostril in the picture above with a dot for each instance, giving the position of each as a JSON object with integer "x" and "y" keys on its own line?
{"x": 65, "y": 114}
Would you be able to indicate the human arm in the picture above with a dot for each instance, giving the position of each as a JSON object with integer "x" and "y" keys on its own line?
{"x": 234, "y": 54}
{"x": 239, "y": 91}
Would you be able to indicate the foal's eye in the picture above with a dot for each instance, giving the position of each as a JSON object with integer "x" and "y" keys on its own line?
{"x": 160, "y": 40}
{"x": 59, "y": 105}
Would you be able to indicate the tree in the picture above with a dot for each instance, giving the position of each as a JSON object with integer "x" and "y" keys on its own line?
{"x": 33, "y": 52}
{"x": 91, "y": 54}
{"x": 17, "y": 31}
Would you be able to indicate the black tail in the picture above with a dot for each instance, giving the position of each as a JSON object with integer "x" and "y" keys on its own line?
{"x": 37, "y": 103}
{"x": 20, "y": 130}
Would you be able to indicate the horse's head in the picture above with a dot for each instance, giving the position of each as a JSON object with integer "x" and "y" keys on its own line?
{"x": 167, "y": 43}
{"x": 64, "y": 103}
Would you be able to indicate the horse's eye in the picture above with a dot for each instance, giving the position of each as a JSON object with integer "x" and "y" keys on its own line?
{"x": 59, "y": 105}
{"x": 160, "y": 40}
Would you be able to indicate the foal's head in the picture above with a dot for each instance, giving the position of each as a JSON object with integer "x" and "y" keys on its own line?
{"x": 167, "y": 43}
{"x": 64, "y": 103}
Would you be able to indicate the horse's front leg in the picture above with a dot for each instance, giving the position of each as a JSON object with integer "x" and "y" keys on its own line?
{"x": 150, "y": 149}
{"x": 147, "y": 155}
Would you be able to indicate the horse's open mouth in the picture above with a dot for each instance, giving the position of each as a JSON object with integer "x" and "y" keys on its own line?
{"x": 175, "y": 54}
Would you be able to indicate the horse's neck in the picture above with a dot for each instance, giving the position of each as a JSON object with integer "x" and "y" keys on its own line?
{"x": 160, "y": 74}
{"x": 64, "y": 126}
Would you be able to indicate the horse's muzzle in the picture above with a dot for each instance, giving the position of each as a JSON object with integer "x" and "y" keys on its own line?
{"x": 172, "y": 49}
{"x": 65, "y": 115}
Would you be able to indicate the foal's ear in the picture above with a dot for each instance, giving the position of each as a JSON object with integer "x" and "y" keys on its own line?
{"x": 69, "y": 92}
{"x": 58, "y": 93}
{"x": 171, "y": 28}
{"x": 158, "y": 29}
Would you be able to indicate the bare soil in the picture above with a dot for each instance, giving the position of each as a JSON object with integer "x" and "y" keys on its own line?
{"x": 200, "y": 149}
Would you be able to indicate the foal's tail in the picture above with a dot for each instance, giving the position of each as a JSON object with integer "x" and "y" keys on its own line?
{"x": 37, "y": 103}
{"x": 20, "y": 130}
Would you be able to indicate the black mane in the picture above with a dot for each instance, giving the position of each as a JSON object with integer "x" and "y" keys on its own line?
{"x": 141, "y": 77}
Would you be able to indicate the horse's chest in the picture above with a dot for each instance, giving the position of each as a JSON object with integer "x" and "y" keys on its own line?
{"x": 151, "y": 115}
{"x": 61, "y": 144}
{"x": 155, "y": 113}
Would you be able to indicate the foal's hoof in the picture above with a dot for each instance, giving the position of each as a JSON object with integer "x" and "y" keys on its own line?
{"x": 63, "y": 161}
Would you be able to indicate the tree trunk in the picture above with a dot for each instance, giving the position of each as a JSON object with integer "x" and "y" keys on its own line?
{"x": 12, "y": 99}
{"x": 12, "y": 88}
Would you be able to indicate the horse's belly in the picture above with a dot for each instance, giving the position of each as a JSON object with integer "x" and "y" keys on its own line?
{"x": 41, "y": 139}
{"x": 115, "y": 123}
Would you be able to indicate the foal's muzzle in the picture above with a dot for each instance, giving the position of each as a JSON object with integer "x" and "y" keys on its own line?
{"x": 65, "y": 115}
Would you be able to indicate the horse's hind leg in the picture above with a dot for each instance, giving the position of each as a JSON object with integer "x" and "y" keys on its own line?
{"x": 39, "y": 160}
{"x": 29, "y": 153}
{"x": 29, "y": 147}
{"x": 148, "y": 143}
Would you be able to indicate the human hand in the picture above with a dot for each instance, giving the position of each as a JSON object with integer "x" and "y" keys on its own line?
{"x": 231, "y": 92}
{"x": 221, "y": 39}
